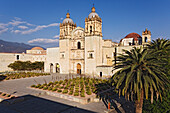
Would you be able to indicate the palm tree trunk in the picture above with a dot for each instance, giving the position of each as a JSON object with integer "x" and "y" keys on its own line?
{"x": 139, "y": 104}
{"x": 151, "y": 97}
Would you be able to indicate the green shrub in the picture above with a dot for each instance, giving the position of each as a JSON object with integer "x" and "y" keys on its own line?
{"x": 94, "y": 90}
{"x": 59, "y": 90}
{"x": 56, "y": 86}
{"x": 66, "y": 87}
{"x": 82, "y": 94}
{"x": 56, "y": 82}
{"x": 65, "y": 91}
{"x": 54, "y": 89}
{"x": 76, "y": 93}
{"x": 60, "y": 82}
{"x": 40, "y": 87}
{"x": 7, "y": 78}
{"x": 70, "y": 93}
{"x": 8, "y": 95}
{"x": 77, "y": 88}
{"x": 3, "y": 94}
{"x": 82, "y": 90}
{"x": 45, "y": 88}
{"x": 32, "y": 85}
{"x": 88, "y": 93}
{"x": 49, "y": 88}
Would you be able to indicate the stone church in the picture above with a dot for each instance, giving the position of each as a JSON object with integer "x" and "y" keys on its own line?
{"x": 83, "y": 51}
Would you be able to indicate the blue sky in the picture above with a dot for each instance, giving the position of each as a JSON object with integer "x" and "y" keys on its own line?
{"x": 36, "y": 22}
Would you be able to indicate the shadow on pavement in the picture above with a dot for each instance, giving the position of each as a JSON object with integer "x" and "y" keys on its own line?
{"x": 118, "y": 104}
{"x": 2, "y": 77}
{"x": 34, "y": 104}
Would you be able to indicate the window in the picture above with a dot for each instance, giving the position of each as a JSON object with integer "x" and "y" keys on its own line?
{"x": 78, "y": 45}
{"x": 90, "y": 55}
{"x": 133, "y": 43}
{"x": 145, "y": 39}
{"x": 129, "y": 43}
{"x": 90, "y": 29}
{"x": 17, "y": 57}
{"x": 62, "y": 55}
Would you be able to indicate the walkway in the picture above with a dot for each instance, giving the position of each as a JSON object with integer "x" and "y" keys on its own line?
{"x": 45, "y": 103}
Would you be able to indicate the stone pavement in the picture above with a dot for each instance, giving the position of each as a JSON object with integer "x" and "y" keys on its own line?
{"x": 44, "y": 103}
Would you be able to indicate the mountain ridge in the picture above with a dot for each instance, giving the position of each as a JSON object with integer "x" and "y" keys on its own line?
{"x": 14, "y": 47}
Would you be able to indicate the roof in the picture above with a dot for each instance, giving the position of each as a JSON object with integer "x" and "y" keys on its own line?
{"x": 135, "y": 36}
{"x": 37, "y": 48}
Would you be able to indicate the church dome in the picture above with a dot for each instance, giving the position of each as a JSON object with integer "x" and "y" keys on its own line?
{"x": 135, "y": 36}
{"x": 93, "y": 13}
{"x": 68, "y": 19}
{"x": 37, "y": 48}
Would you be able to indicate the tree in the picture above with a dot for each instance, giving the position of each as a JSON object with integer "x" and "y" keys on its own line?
{"x": 138, "y": 76}
{"x": 27, "y": 65}
{"x": 160, "y": 49}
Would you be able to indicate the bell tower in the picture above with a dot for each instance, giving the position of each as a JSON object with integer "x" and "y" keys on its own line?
{"x": 93, "y": 24}
{"x": 67, "y": 27}
{"x": 146, "y": 36}
{"x": 93, "y": 42}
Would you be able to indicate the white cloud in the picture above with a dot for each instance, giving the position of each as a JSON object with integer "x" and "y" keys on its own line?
{"x": 3, "y": 30}
{"x": 30, "y": 24}
{"x": 23, "y": 27}
{"x": 16, "y": 31}
{"x": 16, "y": 22}
{"x": 2, "y": 25}
{"x": 16, "y": 18}
{"x": 38, "y": 28}
{"x": 43, "y": 40}
{"x": 61, "y": 18}
{"x": 56, "y": 36}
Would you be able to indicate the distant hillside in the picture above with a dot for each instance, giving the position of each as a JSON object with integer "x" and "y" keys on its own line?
{"x": 13, "y": 47}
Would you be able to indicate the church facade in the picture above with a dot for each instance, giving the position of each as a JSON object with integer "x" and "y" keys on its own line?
{"x": 83, "y": 51}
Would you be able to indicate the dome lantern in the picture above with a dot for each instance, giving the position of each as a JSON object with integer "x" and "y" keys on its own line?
{"x": 68, "y": 15}
{"x": 93, "y": 9}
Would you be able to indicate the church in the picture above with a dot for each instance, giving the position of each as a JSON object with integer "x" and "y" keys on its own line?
{"x": 83, "y": 51}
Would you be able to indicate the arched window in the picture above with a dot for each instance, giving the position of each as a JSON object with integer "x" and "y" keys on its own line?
{"x": 145, "y": 39}
{"x": 17, "y": 57}
{"x": 78, "y": 45}
{"x": 90, "y": 55}
{"x": 133, "y": 42}
{"x": 90, "y": 29}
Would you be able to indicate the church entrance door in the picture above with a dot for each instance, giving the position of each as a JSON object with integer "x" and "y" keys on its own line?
{"x": 78, "y": 69}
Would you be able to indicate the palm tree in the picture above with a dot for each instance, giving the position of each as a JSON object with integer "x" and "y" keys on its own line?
{"x": 138, "y": 76}
{"x": 160, "y": 48}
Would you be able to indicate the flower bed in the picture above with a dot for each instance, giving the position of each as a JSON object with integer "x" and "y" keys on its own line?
{"x": 23, "y": 75}
{"x": 6, "y": 95}
{"x": 80, "y": 87}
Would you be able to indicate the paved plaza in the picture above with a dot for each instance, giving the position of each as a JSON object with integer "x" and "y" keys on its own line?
{"x": 35, "y": 103}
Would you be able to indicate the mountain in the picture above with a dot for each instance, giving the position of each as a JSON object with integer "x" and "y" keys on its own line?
{"x": 13, "y": 47}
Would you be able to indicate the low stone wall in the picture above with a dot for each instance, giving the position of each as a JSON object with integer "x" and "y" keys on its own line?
{"x": 82, "y": 100}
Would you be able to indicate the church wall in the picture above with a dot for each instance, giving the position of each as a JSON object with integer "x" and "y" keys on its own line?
{"x": 107, "y": 43}
{"x": 93, "y": 45}
{"x": 52, "y": 58}
{"x": 106, "y": 71}
{"x": 7, "y": 58}
{"x": 65, "y": 55}
{"x": 108, "y": 54}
